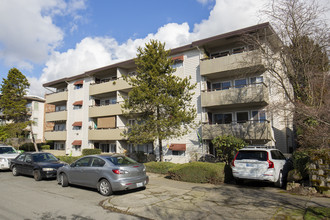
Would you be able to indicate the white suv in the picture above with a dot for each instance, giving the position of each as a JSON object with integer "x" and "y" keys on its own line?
{"x": 259, "y": 163}
{"x": 7, "y": 153}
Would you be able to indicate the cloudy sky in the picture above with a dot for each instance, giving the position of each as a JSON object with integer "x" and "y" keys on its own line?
{"x": 51, "y": 39}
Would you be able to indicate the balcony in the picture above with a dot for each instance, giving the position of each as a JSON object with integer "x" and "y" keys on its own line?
{"x": 250, "y": 130}
{"x": 231, "y": 65}
{"x": 55, "y": 135}
{"x": 106, "y": 134}
{"x": 56, "y": 116}
{"x": 256, "y": 94}
{"x": 106, "y": 87}
{"x": 57, "y": 97}
{"x": 105, "y": 110}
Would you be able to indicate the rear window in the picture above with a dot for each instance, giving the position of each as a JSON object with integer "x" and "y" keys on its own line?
{"x": 252, "y": 155}
{"x": 121, "y": 160}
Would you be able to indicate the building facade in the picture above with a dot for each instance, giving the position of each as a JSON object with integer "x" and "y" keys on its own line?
{"x": 235, "y": 95}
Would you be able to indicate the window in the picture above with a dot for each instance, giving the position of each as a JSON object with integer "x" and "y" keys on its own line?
{"x": 177, "y": 64}
{"x": 223, "y": 118}
{"x": 239, "y": 83}
{"x": 36, "y": 106}
{"x": 277, "y": 155}
{"x": 76, "y": 128}
{"x": 238, "y": 50}
{"x": 59, "y": 146}
{"x": 84, "y": 162}
{"x": 75, "y": 107}
{"x": 21, "y": 157}
{"x": 256, "y": 80}
{"x": 178, "y": 153}
{"x": 59, "y": 127}
{"x": 242, "y": 117}
{"x": 224, "y": 53}
{"x": 97, "y": 162}
{"x": 252, "y": 155}
{"x": 108, "y": 148}
{"x": 221, "y": 85}
{"x": 259, "y": 116}
{"x": 60, "y": 108}
{"x": 28, "y": 158}
{"x": 78, "y": 86}
{"x": 121, "y": 160}
{"x": 216, "y": 86}
{"x": 108, "y": 101}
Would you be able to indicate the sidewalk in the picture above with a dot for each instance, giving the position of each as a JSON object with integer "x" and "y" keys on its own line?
{"x": 169, "y": 199}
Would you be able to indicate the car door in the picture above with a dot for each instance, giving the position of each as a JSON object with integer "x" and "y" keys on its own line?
{"x": 76, "y": 173}
{"x": 28, "y": 165}
{"x": 93, "y": 172}
{"x": 18, "y": 163}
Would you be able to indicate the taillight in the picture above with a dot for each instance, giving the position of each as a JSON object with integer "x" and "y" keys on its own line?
{"x": 233, "y": 161}
{"x": 270, "y": 163}
{"x": 116, "y": 171}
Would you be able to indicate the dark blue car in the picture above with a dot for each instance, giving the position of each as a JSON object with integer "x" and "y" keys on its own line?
{"x": 40, "y": 165}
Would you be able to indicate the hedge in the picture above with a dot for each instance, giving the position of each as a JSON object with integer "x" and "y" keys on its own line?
{"x": 159, "y": 167}
{"x": 198, "y": 172}
{"x": 45, "y": 147}
{"x": 68, "y": 159}
{"x": 86, "y": 152}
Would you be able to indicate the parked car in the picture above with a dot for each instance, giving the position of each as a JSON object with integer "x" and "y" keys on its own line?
{"x": 105, "y": 173}
{"x": 40, "y": 165}
{"x": 259, "y": 163}
{"x": 7, "y": 153}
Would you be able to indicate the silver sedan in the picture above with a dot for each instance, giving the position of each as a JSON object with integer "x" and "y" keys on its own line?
{"x": 105, "y": 173}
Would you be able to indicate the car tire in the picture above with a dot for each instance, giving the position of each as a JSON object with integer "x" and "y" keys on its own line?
{"x": 63, "y": 180}
{"x": 37, "y": 175}
{"x": 104, "y": 187}
{"x": 279, "y": 182}
{"x": 14, "y": 171}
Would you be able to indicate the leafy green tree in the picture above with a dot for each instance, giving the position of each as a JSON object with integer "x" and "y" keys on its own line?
{"x": 160, "y": 101}
{"x": 227, "y": 146}
{"x": 13, "y": 104}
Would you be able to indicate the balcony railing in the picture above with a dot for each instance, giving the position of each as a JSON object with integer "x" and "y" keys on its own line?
{"x": 231, "y": 64}
{"x": 236, "y": 96}
{"x": 110, "y": 86}
{"x": 56, "y": 116}
{"x": 57, "y": 97}
{"x": 111, "y": 134}
{"x": 105, "y": 110}
{"x": 55, "y": 135}
{"x": 250, "y": 130}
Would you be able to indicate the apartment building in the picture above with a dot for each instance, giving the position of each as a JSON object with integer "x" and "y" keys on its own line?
{"x": 35, "y": 109}
{"x": 235, "y": 95}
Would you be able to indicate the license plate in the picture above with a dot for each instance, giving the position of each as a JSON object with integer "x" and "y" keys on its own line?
{"x": 249, "y": 165}
{"x": 139, "y": 184}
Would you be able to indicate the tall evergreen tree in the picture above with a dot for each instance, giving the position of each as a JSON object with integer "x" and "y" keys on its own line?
{"x": 12, "y": 102}
{"x": 160, "y": 101}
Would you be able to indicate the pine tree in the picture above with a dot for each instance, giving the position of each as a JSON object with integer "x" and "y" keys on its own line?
{"x": 12, "y": 102}
{"x": 160, "y": 101}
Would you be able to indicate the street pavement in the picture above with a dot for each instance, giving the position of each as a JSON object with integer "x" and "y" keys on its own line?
{"x": 168, "y": 199}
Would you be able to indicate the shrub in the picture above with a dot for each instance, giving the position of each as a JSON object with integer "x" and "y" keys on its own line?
{"x": 27, "y": 147}
{"x": 198, "y": 172}
{"x": 301, "y": 160}
{"x": 68, "y": 159}
{"x": 45, "y": 147}
{"x": 86, "y": 152}
{"x": 159, "y": 167}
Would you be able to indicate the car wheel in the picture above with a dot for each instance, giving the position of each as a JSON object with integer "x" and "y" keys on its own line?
{"x": 37, "y": 175}
{"x": 63, "y": 180}
{"x": 15, "y": 172}
{"x": 104, "y": 187}
{"x": 279, "y": 182}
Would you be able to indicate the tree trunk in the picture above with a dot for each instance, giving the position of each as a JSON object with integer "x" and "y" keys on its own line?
{"x": 33, "y": 140}
{"x": 160, "y": 150}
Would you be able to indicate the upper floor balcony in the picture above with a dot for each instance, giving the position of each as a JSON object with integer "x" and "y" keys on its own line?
{"x": 57, "y": 97}
{"x": 105, "y": 110}
{"x": 250, "y": 130}
{"x": 106, "y": 134}
{"x": 110, "y": 86}
{"x": 231, "y": 65}
{"x": 56, "y": 116}
{"x": 55, "y": 135}
{"x": 256, "y": 94}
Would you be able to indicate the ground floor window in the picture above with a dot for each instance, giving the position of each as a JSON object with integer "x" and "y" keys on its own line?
{"x": 146, "y": 148}
{"x": 77, "y": 147}
{"x": 59, "y": 146}
{"x": 108, "y": 148}
{"x": 178, "y": 153}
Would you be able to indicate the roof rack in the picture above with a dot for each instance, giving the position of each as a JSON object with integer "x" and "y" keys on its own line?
{"x": 258, "y": 146}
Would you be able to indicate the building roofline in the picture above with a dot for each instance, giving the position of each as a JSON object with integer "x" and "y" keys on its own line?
{"x": 177, "y": 50}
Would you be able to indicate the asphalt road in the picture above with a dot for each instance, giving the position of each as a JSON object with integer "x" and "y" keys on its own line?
{"x": 22, "y": 197}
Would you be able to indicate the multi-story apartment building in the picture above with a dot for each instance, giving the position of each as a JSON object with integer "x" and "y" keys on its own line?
{"x": 234, "y": 96}
{"x": 35, "y": 109}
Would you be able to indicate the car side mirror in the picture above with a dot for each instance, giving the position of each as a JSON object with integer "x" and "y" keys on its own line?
{"x": 29, "y": 161}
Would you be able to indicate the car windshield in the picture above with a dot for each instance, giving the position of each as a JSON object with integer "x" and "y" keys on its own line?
{"x": 7, "y": 150}
{"x": 252, "y": 155}
{"x": 121, "y": 160}
{"x": 44, "y": 158}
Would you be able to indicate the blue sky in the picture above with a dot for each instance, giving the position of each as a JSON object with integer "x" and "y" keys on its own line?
{"x": 51, "y": 39}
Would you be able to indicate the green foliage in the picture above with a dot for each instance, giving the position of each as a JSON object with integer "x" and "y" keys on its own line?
{"x": 68, "y": 159}
{"x": 86, "y": 152}
{"x": 27, "y": 147}
{"x": 198, "y": 172}
{"x": 45, "y": 147}
{"x": 159, "y": 167}
{"x": 161, "y": 100}
{"x": 227, "y": 146}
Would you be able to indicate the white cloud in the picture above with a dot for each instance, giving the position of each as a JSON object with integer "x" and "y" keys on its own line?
{"x": 28, "y": 34}
{"x": 90, "y": 53}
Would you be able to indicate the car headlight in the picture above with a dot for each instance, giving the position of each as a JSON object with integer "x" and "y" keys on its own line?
{"x": 3, "y": 159}
{"x": 48, "y": 169}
